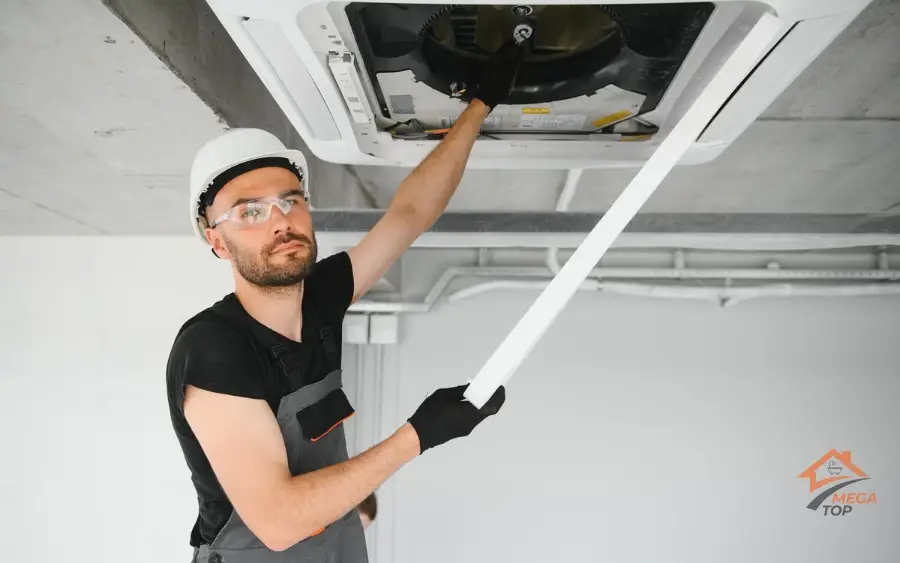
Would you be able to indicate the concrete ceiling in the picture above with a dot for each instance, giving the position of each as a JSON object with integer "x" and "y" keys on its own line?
{"x": 98, "y": 133}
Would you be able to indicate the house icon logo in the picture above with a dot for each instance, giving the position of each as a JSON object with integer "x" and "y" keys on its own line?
{"x": 829, "y": 474}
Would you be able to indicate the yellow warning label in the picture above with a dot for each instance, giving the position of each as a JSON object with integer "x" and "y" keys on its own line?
{"x": 611, "y": 118}
{"x": 635, "y": 138}
{"x": 535, "y": 110}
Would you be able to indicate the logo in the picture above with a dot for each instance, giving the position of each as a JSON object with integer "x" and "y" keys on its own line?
{"x": 522, "y": 32}
{"x": 831, "y": 473}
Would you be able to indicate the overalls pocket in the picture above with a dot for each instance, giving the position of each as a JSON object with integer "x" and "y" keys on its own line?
{"x": 318, "y": 419}
{"x": 311, "y": 423}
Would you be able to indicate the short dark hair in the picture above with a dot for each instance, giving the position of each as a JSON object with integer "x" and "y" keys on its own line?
{"x": 369, "y": 506}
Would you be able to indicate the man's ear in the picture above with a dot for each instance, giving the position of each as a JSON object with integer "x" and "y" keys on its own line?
{"x": 219, "y": 249}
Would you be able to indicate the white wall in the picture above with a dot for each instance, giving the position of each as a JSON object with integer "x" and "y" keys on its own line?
{"x": 656, "y": 432}
{"x": 90, "y": 468}
{"x": 698, "y": 421}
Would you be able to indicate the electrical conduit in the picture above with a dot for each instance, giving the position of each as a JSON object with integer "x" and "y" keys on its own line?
{"x": 562, "y": 204}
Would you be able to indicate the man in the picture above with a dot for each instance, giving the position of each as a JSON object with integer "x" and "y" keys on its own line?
{"x": 368, "y": 510}
{"x": 254, "y": 381}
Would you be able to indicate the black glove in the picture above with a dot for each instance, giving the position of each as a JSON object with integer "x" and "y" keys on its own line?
{"x": 446, "y": 414}
{"x": 498, "y": 74}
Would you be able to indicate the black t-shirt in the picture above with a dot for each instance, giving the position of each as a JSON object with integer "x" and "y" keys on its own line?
{"x": 212, "y": 353}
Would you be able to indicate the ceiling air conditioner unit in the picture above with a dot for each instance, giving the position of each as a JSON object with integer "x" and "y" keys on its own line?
{"x": 375, "y": 83}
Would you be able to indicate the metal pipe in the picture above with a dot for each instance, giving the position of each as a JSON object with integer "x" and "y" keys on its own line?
{"x": 723, "y": 296}
{"x": 471, "y": 291}
{"x": 539, "y": 275}
{"x": 537, "y": 239}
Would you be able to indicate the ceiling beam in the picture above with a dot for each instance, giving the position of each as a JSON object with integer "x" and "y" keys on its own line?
{"x": 750, "y": 231}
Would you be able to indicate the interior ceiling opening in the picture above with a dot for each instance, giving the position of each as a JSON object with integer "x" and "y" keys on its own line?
{"x": 576, "y": 50}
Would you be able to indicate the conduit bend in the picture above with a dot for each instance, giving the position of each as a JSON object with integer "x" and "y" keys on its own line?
{"x": 562, "y": 204}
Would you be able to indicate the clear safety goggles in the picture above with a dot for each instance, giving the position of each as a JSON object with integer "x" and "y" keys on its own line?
{"x": 257, "y": 211}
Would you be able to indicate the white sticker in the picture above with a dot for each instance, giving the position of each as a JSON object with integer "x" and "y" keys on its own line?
{"x": 552, "y": 122}
{"x": 490, "y": 122}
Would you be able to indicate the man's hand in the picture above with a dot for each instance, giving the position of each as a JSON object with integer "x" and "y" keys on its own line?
{"x": 499, "y": 73}
{"x": 446, "y": 415}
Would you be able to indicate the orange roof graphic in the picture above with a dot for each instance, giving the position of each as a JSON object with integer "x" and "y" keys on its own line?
{"x": 843, "y": 457}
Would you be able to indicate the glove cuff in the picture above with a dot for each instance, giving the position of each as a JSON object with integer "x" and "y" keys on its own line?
{"x": 425, "y": 441}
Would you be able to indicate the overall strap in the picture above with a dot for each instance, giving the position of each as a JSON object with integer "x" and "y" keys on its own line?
{"x": 330, "y": 346}
{"x": 279, "y": 353}
{"x": 328, "y": 340}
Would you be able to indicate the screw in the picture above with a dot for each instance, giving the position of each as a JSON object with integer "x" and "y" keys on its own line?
{"x": 522, "y": 11}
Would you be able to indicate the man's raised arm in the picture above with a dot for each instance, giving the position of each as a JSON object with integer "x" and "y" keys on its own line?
{"x": 424, "y": 194}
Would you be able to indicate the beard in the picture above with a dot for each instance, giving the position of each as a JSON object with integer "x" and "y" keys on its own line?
{"x": 261, "y": 271}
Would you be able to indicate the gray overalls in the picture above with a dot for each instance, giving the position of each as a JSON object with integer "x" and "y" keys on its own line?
{"x": 311, "y": 420}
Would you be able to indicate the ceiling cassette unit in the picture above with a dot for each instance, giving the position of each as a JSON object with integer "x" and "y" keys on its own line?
{"x": 601, "y": 85}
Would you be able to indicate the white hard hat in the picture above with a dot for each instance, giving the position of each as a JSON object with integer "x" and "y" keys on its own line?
{"x": 226, "y": 153}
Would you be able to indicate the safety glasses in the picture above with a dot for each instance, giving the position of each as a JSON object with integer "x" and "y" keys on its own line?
{"x": 254, "y": 212}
